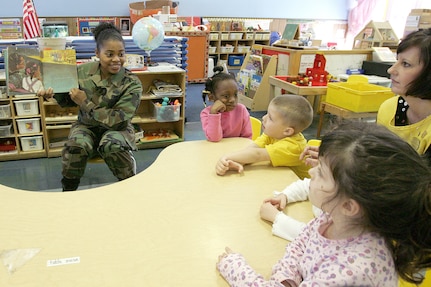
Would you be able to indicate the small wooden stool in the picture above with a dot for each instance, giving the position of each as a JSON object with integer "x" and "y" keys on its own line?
{"x": 340, "y": 112}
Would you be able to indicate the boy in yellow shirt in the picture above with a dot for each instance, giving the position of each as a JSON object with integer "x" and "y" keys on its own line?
{"x": 282, "y": 141}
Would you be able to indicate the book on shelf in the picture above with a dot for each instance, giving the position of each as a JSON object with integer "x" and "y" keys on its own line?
{"x": 158, "y": 135}
{"x": 57, "y": 142}
{"x": 161, "y": 89}
{"x": 29, "y": 70}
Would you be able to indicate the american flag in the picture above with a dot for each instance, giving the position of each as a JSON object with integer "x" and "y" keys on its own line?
{"x": 30, "y": 21}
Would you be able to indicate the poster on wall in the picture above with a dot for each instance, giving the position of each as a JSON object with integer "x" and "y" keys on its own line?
{"x": 86, "y": 26}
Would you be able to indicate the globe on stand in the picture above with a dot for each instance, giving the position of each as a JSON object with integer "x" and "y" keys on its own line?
{"x": 148, "y": 34}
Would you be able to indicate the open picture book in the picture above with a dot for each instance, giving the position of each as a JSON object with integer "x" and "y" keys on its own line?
{"x": 30, "y": 70}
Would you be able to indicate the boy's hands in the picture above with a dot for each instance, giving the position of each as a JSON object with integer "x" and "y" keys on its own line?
{"x": 224, "y": 164}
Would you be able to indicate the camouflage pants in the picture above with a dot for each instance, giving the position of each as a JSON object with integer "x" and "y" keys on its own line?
{"x": 84, "y": 143}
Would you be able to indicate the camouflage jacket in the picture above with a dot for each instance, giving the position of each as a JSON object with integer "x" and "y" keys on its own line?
{"x": 111, "y": 103}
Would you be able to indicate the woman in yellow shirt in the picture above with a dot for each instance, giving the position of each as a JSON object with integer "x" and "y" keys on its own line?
{"x": 408, "y": 114}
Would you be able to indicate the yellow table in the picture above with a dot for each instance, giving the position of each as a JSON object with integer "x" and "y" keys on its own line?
{"x": 165, "y": 226}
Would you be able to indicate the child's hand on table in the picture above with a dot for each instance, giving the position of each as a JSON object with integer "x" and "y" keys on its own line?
{"x": 272, "y": 206}
{"x": 224, "y": 164}
{"x": 224, "y": 254}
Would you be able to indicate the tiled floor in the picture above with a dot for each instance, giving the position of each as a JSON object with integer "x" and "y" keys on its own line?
{"x": 44, "y": 174}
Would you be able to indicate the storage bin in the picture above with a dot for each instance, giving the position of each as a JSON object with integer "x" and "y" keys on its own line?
{"x": 27, "y": 107}
{"x": 5, "y": 131}
{"x": 7, "y": 145}
{"x": 357, "y": 95}
{"x": 5, "y": 111}
{"x": 213, "y": 36}
{"x": 226, "y": 49}
{"x": 212, "y": 50}
{"x": 243, "y": 49}
{"x": 235, "y": 60}
{"x": 266, "y": 36}
{"x": 249, "y": 36}
{"x": 28, "y": 126}
{"x": 258, "y": 36}
{"x": 235, "y": 36}
{"x": 224, "y": 36}
{"x": 31, "y": 143}
{"x": 169, "y": 113}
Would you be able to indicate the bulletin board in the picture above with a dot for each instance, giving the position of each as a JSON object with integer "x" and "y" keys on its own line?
{"x": 85, "y": 26}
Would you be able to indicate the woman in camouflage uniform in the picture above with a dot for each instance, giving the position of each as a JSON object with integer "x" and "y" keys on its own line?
{"x": 108, "y": 97}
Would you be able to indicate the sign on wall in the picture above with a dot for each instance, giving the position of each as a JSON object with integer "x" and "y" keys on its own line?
{"x": 86, "y": 25}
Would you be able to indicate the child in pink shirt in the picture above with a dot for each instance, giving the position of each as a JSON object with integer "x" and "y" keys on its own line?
{"x": 225, "y": 118}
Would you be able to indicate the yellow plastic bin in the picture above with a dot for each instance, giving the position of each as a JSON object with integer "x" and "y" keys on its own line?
{"x": 357, "y": 94}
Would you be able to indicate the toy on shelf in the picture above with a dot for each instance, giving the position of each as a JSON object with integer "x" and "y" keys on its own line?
{"x": 158, "y": 135}
{"x": 167, "y": 110}
{"x": 317, "y": 75}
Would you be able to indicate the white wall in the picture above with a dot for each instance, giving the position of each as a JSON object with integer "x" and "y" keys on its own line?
{"x": 284, "y": 9}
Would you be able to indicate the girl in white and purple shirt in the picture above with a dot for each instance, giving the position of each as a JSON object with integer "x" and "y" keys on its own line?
{"x": 374, "y": 190}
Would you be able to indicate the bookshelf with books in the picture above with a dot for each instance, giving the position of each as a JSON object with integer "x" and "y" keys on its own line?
{"x": 161, "y": 124}
{"x": 253, "y": 79}
{"x": 46, "y": 130}
{"x": 154, "y": 126}
{"x": 225, "y": 44}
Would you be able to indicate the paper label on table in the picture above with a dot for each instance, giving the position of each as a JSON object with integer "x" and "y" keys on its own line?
{"x": 63, "y": 261}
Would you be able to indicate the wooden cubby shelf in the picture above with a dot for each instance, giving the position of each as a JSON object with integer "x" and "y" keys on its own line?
{"x": 234, "y": 44}
{"x": 55, "y": 121}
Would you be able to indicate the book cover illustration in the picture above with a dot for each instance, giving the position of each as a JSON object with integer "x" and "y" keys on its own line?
{"x": 244, "y": 81}
{"x": 29, "y": 71}
{"x": 255, "y": 63}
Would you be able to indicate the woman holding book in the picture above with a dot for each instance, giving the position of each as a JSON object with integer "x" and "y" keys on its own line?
{"x": 108, "y": 96}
